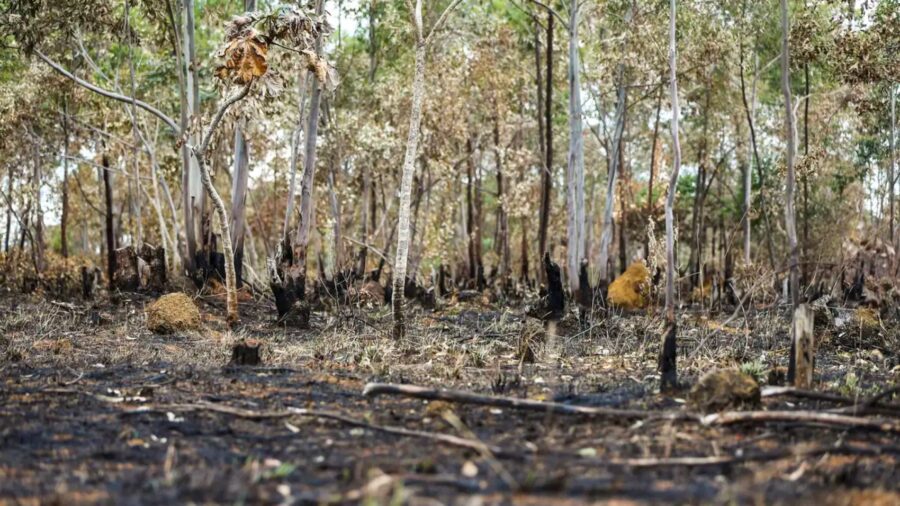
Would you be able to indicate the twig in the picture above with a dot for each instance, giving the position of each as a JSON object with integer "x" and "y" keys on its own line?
{"x": 375, "y": 389}
{"x": 804, "y": 417}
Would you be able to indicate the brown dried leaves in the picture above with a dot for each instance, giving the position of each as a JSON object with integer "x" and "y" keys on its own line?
{"x": 245, "y": 59}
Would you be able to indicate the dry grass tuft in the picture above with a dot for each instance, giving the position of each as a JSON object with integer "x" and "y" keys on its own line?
{"x": 173, "y": 312}
{"x": 629, "y": 290}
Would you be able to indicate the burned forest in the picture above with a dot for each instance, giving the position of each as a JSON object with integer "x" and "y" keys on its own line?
{"x": 462, "y": 252}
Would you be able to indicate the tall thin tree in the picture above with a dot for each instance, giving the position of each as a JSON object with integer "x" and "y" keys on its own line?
{"x": 668, "y": 350}
{"x": 409, "y": 161}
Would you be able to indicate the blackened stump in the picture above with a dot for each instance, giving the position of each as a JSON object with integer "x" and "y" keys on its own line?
{"x": 667, "y": 368}
{"x": 246, "y": 352}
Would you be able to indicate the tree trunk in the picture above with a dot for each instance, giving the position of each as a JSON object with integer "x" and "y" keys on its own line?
{"x": 749, "y": 110}
{"x": 695, "y": 262}
{"x": 9, "y": 208}
{"x": 668, "y": 349}
{"x": 575, "y": 166}
{"x": 64, "y": 216}
{"x": 110, "y": 230}
{"x": 893, "y": 145}
{"x": 239, "y": 183}
{"x": 189, "y": 95}
{"x": 502, "y": 218}
{"x": 547, "y": 172}
{"x": 409, "y": 166}
{"x": 135, "y": 153}
{"x": 789, "y": 217}
{"x": 653, "y": 150}
{"x": 606, "y": 234}
{"x": 38, "y": 238}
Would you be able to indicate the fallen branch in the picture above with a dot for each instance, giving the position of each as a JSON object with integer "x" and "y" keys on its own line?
{"x": 290, "y": 412}
{"x": 375, "y": 389}
{"x": 853, "y": 406}
{"x": 804, "y": 417}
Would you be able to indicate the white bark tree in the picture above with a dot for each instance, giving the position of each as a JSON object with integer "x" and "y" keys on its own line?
{"x": 575, "y": 167}
{"x": 667, "y": 355}
{"x": 409, "y": 162}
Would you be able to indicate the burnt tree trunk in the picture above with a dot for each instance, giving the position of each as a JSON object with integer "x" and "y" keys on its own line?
{"x": 110, "y": 229}
{"x": 547, "y": 172}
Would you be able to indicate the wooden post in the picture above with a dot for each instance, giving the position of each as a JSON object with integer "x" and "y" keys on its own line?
{"x": 803, "y": 347}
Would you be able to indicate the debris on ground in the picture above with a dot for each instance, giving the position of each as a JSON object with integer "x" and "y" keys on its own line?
{"x": 723, "y": 389}
{"x": 173, "y": 312}
{"x": 629, "y": 290}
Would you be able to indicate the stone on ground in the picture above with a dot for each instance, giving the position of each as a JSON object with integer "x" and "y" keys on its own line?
{"x": 723, "y": 389}
{"x": 173, "y": 312}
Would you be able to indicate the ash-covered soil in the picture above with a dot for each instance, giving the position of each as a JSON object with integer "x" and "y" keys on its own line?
{"x": 96, "y": 409}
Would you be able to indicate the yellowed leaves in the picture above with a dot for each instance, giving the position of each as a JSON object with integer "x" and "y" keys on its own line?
{"x": 245, "y": 59}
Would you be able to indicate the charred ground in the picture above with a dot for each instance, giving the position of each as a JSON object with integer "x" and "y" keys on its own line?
{"x": 98, "y": 409}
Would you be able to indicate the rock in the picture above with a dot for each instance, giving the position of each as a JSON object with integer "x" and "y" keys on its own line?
{"x": 173, "y": 312}
{"x": 724, "y": 389}
{"x": 629, "y": 290}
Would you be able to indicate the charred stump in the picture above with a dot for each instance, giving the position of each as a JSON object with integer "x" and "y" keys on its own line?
{"x": 553, "y": 300}
{"x": 153, "y": 277}
{"x": 126, "y": 277}
{"x": 287, "y": 280}
{"x": 585, "y": 294}
{"x": 90, "y": 277}
{"x": 246, "y": 352}
{"x": 667, "y": 360}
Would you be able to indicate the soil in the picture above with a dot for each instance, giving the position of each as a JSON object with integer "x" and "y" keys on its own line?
{"x": 97, "y": 409}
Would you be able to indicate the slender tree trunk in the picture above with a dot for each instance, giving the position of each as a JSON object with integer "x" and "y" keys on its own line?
{"x": 804, "y": 246}
{"x": 470, "y": 209}
{"x": 9, "y": 209}
{"x": 606, "y": 235}
{"x": 110, "y": 227}
{"x": 547, "y": 172}
{"x": 239, "y": 185}
{"x": 135, "y": 153}
{"x": 337, "y": 244}
{"x": 296, "y": 137}
{"x": 789, "y": 215}
{"x": 653, "y": 150}
{"x": 38, "y": 238}
{"x": 64, "y": 216}
{"x": 575, "y": 166}
{"x": 668, "y": 350}
{"x": 201, "y": 154}
{"x": 191, "y": 177}
{"x": 893, "y": 145}
{"x": 749, "y": 110}
{"x": 409, "y": 165}
{"x": 502, "y": 218}
{"x": 695, "y": 262}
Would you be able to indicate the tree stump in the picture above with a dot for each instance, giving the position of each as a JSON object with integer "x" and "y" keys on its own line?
{"x": 154, "y": 276}
{"x": 246, "y": 352}
{"x": 90, "y": 277}
{"x": 126, "y": 277}
{"x": 803, "y": 348}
